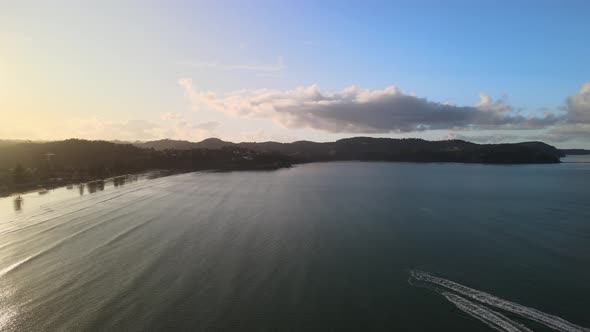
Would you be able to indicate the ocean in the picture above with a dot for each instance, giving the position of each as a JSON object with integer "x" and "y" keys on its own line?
{"x": 342, "y": 246}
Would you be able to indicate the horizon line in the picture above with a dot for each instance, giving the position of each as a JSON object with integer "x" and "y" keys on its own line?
{"x": 271, "y": 141}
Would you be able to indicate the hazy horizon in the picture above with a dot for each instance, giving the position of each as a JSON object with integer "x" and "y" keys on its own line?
{"x": 260, "y": 141}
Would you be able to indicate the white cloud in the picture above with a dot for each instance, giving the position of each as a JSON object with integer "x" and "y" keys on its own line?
{"x": 487, "y": 104}
{"x": 97, "y": 128}
{"x": 576, "y": 124}
{"x": 173, "y": 126}
{"x": 199, "y": 98}
{"x": 577, "y": 110}
{"x": 567, "y": 132}
{"x": 357, "y": 110}
{"x": 578, "y": 105}
{"x": 176, "y": 126}
{"x": 208, "y": 126}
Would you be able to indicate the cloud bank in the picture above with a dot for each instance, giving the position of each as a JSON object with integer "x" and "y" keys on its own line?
{"x": 578, "y": 105}
{"x": 577, "y": 110}
{"x": 171, "y": 125}
{"x": 357, "y": 110}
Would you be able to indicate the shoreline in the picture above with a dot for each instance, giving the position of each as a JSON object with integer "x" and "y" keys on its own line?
{"x": 33, "y": 187}
{"x": 37, "y": 187}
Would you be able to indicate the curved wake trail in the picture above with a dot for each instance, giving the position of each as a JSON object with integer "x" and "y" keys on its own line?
{"x": 491, "y": 318}
{"x": 548, "y": 320}
{"x": 78, "y": 218}
{"x": 61, "y": 208}
{"x": 44, "y": 218}
{"x": 39, "y": 254}
{"x": 13, "y": 267}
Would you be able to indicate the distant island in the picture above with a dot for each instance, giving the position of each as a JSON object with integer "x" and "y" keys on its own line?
{"x": 26, "y": 165}
{"x": 575, "y": 152}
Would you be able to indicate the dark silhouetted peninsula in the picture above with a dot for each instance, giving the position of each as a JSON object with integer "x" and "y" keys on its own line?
{"x": 25, "y": 165}
{"x": 385, "y": 149}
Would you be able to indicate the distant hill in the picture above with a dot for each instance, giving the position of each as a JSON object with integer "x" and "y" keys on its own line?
{"x": 574, "y": 152}
{"x": 26, "y": 164}
{"x": 387, "y": 149}
{"x": 9, "y": 142}
{"x": 29, "y": 165}
{"x": 168, "y": 144}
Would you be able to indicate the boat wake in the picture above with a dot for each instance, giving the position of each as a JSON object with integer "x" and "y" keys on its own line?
{"x": 489, "y": 317}
{"x": 452, "y": 291}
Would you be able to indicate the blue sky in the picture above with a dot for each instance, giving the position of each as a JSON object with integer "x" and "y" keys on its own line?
{"x": 114, "y": 69}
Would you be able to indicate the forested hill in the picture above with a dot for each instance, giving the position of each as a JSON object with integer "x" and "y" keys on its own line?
{"x": 387, "y": 149}
{"x": 24, "y": 165}
{"x": 169, "y": 144}
{"x": 27, "y": 164}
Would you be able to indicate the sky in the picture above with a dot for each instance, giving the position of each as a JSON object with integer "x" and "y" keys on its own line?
{"x": 483, "y": 71}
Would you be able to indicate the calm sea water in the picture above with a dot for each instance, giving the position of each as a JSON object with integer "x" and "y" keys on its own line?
{"x": 325, "y": 247}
